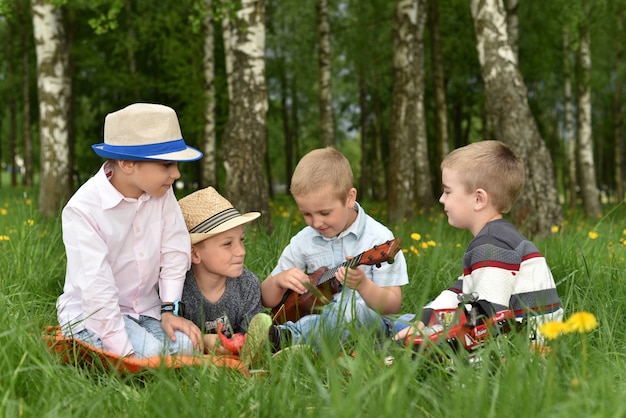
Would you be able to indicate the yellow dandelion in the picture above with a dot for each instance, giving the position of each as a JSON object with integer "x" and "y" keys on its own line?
{"x": 554, "y": 229}
{"x": 28, "y": 202}
{"x": 431, "y": 243}
{"x": 415, "y": 236}
{"x": 4, "y": 238}
{"x": 624, "y": 232}
{"x": 593, "y": 235}
{"x": 424, "y": 245}
{"x": 3, "y": 211}
{"x": 581, "y": 322}
{"x": 551, "y": 330}
{"x": 458, "y": 245}
{"x": 414, "y": 250}
{"x": 30, "y": 222}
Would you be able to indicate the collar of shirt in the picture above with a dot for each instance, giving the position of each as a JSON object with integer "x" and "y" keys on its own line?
{"x": 356, "y": 229}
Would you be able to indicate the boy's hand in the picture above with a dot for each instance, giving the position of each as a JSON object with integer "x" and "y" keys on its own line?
{"x": 403, "y": 334}
{"x": 171, "y": 323}
{"x": 351, "y": 277}
{"x": 292, "y": 280}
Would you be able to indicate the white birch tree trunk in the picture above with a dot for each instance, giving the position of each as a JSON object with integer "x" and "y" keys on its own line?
{"x": 586, "y": 166}
{"x": 54, "y": 89}
{"x": 569, "y": 134}
{"x": 245, "y": 139}
{"x": 538, "y": 208}
{"x": 209, "y": 164}
{"x": 512, "y": 26}
{"x": 325, "y": 75}
{"x": 441, "y": 106}
{"x": 423, "y": 179}
{"x": 228, "y": 51}
{"x": 401, "y": 171}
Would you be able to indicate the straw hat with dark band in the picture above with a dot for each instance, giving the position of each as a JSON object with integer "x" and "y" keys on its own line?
{"x": 144, "y": 132}
{"x": 207, "y": 213}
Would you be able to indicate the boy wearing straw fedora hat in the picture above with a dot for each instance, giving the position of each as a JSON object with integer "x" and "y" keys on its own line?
{"x": 221, "y": 296}
{"x": 126, "y": 243}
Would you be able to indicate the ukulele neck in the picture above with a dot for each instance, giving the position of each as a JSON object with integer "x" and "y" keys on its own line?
{"x": 329, "y": 274}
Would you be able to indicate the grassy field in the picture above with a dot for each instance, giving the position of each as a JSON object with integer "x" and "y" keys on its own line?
{"x": 582, "y": 375}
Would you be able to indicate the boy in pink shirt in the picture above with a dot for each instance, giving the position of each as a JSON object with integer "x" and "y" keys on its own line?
{"x": 126, "y": 241}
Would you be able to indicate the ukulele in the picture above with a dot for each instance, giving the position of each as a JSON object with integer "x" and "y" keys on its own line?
{"x": 324, "y": 284}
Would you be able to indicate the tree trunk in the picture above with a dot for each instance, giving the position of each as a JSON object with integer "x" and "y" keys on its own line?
{"x": 537, "y": 209}
{"x": 209, "y": 164}
{"x": 12, "y": 103}
{"x": 512, "y": 26}
{"x": 228, "y": 50}
{"x": 401, "y": 173}
{"x": 245, "y": 139}
{"x": 378, "y": 167}
{"x": 326, "y": 98}
{"x": 54, "y": 89}
{"x": 364, "y": 181}
{"x": 285, "y": 113}
{"x": 618, "y": 106}
{"x": 423, "y": 179}
{"x": 570, "y": 137}
{"x": 441, "y": 105}
{"x": 25, "y": 31}
{"x": 131, "y": 45}
{"x": 586, "y": 165}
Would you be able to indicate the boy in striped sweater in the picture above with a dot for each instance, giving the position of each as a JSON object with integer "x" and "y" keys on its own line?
{"x": 481, "y": 181}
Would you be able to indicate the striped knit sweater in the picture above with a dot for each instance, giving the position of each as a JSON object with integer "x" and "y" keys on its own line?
{"x": 507, "y": 270}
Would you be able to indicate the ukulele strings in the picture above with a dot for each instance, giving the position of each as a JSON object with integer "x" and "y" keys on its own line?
{"x": 329, "y": 274}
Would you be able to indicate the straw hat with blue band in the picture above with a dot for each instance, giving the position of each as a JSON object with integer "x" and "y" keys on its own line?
{"x": 207, "y": 214}
{"x": 144, "y": 132}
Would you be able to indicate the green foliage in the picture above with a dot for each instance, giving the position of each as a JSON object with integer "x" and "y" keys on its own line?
{"x": 587, "y": 259}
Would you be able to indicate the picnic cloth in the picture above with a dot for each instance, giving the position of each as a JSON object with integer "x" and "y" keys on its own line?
{"x": 73, "y": 351}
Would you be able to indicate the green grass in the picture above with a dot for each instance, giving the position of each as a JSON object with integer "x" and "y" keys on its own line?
{"x": 590, "y": 271}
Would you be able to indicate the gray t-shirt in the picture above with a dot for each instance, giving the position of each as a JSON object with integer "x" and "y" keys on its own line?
{"x": 239, "y": 303}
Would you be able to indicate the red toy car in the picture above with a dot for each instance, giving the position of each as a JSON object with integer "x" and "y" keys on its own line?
{"x": 462, "y": 327}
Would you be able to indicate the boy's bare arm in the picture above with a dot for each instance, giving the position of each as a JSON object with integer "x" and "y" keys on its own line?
{"x": 386, "y": 300}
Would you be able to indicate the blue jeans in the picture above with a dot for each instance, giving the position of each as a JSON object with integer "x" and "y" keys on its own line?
{"x": 147, "y": 338}
{"x": 335, "y": 320}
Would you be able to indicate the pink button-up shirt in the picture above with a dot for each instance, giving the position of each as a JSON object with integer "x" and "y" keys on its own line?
{"x": 122, "y": 253}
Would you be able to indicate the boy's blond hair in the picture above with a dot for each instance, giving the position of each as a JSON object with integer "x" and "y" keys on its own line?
{"x": 322, "y": 168}
{"x": 492, "y": 166}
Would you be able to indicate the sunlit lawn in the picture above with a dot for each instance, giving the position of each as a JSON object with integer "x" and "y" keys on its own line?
{"x": 587, "y": 259}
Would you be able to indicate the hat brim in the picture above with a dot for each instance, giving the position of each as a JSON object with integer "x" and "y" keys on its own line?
{"x": 188, "y": 154}
{"x": 231, "y": 223}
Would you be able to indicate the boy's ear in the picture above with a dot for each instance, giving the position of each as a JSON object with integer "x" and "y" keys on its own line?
{"x": 481, "y": 199}
{"x": 195, "y": 256}
{"x": 126, "y": 165}
{"x": 351, "y": 197}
